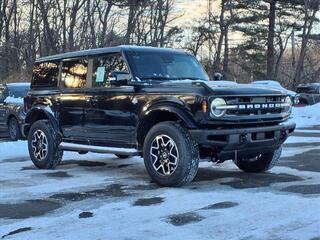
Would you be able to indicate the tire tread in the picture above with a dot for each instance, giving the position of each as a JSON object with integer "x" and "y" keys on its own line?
{"x": 55, "y": 158}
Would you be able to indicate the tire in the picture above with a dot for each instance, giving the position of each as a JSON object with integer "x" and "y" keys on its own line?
{"x": 179, "y": 151}
{"x": 46, "y": 155}
{"x": 122, "y": 156}
{"x": 14, "y": 129}
{"x": 261, "y": 163}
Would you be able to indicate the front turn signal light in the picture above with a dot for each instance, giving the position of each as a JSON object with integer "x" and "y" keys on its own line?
{"x": 204, "y": 106}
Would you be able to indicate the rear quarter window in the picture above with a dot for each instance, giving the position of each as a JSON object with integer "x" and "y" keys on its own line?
{"x": 45, "y": 75}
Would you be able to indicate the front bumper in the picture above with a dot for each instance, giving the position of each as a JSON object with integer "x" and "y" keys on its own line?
{"x": 232, "y": 143}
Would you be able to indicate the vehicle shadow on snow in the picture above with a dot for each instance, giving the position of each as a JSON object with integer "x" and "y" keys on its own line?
{"x": 136, "y": 171}
{"x": 242, "y": 180}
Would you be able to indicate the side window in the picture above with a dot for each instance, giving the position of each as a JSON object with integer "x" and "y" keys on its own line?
{"x": 104, "y": 66}
{"x": 74, "y": 73}
{"x": 45, "y": 74}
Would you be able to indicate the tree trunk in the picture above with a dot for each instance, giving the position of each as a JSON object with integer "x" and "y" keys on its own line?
{"x": 271, "y": 35}
{"x": 217, "y": 61}
{"x": 226, "y": 51}
{"x": 309, "y": 20}
{"x": 130, "y": 24}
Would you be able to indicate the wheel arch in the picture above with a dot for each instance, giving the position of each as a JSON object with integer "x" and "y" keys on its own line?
{"x": 162, "y": 114}
{"x": 10, "y": 116}
{"x": 40, "y": 113}
{"x": 304, "y": 100}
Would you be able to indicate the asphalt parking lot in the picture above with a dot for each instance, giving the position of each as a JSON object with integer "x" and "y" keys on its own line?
{"x": 101, "y": 197}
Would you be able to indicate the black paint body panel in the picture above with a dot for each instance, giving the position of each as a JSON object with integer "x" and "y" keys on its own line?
{"x": 115, "y": 116}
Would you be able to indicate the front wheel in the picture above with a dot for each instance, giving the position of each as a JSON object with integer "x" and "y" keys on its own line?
{"x": 43, "y": 145}
{"x": 260, "y": 163}
{"x": 170, "y": 155}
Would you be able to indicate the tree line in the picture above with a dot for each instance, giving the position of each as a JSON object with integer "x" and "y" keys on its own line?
{"x": 244, "y": 40}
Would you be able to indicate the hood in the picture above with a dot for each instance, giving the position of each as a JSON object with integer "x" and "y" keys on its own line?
{"x": 231, "y": 88}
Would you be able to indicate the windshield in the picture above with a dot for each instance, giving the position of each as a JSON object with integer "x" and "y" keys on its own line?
{"x": 165, "y": 66}
{"x": 18, "y": 91}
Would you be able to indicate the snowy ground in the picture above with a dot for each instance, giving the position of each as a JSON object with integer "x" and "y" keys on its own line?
{"x": 101, "y": 197}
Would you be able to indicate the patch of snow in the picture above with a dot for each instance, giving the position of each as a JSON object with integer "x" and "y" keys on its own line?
{"x": 275, "y": 85}
{"x": 13, "y": 149}
{"x": 307, "y": 131}
{"x": 306, "y": 116}
{"x": 13, "y": 100}
{"x": 294, "y": 139}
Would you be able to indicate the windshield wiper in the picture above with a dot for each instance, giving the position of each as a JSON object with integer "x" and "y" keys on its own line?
{"x": 188, "y": 78}
{"x": 170, "y": 79}
{"x": 154, "y": 78}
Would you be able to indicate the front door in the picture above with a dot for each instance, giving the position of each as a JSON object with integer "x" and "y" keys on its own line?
{"x": 110, "y": 118}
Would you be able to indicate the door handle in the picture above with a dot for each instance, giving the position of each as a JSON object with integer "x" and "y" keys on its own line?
{"x": 58, "y": 101}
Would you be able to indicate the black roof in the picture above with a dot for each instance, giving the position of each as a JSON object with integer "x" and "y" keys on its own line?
{"x": 96, "y": 51}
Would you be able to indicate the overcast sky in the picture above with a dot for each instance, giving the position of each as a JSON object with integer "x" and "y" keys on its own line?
{"x": 192, "y": 7}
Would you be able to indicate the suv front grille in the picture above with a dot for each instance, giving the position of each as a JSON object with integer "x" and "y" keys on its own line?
{"x": 256, "y": 106}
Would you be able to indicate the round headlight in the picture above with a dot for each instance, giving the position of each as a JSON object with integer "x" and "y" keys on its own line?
{"x": 216, "y": 104}
{"x": 288, "y": 103}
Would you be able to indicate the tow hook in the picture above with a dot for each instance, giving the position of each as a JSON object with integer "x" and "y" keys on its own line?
{"x": 283, "y": 135}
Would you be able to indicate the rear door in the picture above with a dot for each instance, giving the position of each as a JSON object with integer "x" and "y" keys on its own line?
{"x": 72, "y": 99}
{"x": 110, "y": 116}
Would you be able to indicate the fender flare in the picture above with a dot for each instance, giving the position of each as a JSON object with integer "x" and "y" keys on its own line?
{"x": 147, "y": 118}
{"x": 45, "y": 112}
{"x": 176, "y": 110}
{"x": 10, "y": 115}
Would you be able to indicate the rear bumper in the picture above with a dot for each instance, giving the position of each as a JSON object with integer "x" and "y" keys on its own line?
{"x": 230, "y": 143}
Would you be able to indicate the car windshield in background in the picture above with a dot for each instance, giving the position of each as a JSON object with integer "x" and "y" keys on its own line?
{"x": 18, "y": 91}
{"x": 166, "y": 66}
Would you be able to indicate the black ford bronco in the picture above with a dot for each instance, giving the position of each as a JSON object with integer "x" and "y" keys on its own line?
{"x": 153, "y": 102}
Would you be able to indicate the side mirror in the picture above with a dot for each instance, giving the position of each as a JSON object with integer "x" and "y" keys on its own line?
{"x": 119, "y": 78}
{"x": 217, "y": 76}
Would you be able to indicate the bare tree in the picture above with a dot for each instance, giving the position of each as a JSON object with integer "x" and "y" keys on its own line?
{"x": 311, "y": 8}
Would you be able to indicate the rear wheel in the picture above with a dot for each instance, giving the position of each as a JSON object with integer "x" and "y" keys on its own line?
{"x": 14, "y": 129}
{"x": 43, "y": 144}
{"x": 261, "y": 163}
{"x": 170, "y": 155}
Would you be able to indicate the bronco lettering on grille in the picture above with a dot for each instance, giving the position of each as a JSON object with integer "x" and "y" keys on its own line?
{"x": 259, "y": 106}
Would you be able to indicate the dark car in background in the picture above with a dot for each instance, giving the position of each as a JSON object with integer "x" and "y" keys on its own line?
{"x": 309, "y": 94}
{"x": 276, "y": 85}
{"x": 11, "y": 108}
